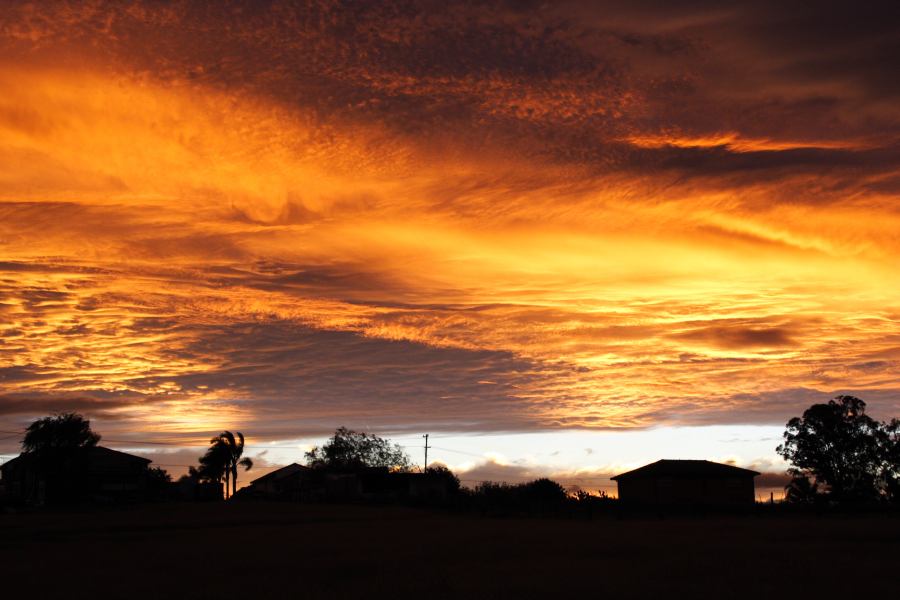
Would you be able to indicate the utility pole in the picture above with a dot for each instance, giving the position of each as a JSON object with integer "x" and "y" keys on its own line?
{"x": 425, "y": 470}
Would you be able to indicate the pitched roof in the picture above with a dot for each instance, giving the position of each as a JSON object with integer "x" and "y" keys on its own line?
{"x": 281, "y": 473}
{"x": 116, "y": 454}
{"x": 95, "y": 451}
{"x": 686, "y": 469}
{"x": 14, "y": 460}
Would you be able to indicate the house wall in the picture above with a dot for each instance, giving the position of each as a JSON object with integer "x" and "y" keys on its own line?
{"x": 671, "y": 490}
{"x": 21, "y": 484}
{"x": 102, "y": 477}
{"x": 342, "y": 487}
{"x": 111, "y": 476}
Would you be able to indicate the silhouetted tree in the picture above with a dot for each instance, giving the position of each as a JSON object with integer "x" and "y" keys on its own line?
{"x": 838, "y": 447}
{"x": 802, "y": 490}
{"x": 193, "y": 474}
{"x": 158, "y": 480}
{"x": 890, "y": 441}
{"x": 60, "y": 433}
{"x": 347, "y": 450}
{"x": 441, "y": 472}
{"x": 235, "y": 448}
{"x": 196, "y": 485}
{"x": 58, "y": 446}
{"x": 215, "y": 463}
{"x": 588, "y": 504}
{"x": 158, "y": 475}
{"x": 543, "y": 492}
{"x": 541, "y": 496}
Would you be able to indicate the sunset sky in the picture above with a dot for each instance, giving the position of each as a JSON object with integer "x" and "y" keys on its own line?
{"x": 564, "y": 238}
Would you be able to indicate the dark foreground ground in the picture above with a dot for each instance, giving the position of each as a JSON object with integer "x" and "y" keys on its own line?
{"x": 288, "y": 551}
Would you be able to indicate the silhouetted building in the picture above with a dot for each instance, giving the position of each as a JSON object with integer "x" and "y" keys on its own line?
{"x": 291, "y": 482}
{"x": 298, "y": 483}
{"x": 106, "y": 475}
{"x": 687, "y": 482}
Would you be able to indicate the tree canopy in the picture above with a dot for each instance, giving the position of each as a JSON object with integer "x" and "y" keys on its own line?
{"x": 214, "y": 462}
{"x": 837, "y": 448}
{"x": 58, "y": 445}
{"x": 437, "y": 472}
{"x": 347, "y": 450}
{"x": 65, "y": 432}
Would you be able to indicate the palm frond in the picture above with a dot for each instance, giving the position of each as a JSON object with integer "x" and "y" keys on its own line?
{"x": 228, "y": 437}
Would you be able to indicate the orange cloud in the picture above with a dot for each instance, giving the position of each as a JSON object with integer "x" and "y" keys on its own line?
{"x": 259, "y": 222}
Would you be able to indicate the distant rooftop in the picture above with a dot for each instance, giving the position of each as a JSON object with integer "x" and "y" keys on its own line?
{"x": 686, "y": 469}
{"x": 280, "y": 473}
{"x": 92, "y": 452}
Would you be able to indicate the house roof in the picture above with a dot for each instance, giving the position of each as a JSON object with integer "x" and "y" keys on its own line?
{"x": 102, "y": 451}
{"x": 686, "y": 469}
{"x": 11, "y": 461}
{"x": 95, "y": 452}
{"x": 281, "y": 473}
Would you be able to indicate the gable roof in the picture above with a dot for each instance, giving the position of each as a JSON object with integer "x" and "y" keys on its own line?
{"x": 281, "y": 473}
{"x": 686, "y": 469}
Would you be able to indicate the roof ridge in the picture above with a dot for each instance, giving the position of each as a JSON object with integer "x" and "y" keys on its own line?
{"x": 688, "y": 467}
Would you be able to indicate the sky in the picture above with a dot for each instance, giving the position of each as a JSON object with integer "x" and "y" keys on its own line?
{"x": 613, "y": 231}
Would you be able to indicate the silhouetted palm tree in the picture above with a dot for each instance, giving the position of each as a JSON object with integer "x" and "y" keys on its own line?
{"x": 215, "y": 463}
{"x": 235, "y": 448}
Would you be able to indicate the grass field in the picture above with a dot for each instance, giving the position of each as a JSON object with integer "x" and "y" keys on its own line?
{"x": 290, "y": 551}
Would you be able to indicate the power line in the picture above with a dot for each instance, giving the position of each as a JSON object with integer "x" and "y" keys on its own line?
{"x": 142, "y": 442}
{"x": 459, "y": 451}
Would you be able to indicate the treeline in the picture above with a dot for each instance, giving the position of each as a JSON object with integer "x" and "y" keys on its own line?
{"x": 838, "y": 456}
{"x": 541, "y": 497}
{"x": 385, "y": 473}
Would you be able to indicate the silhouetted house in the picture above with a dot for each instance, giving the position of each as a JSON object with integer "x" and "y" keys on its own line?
{"x": 346, "y": 487}
{"x": 292, "y": 482}
{"x": 298, "y": 483}
{"x": 687, "y": 482}
{"x": 105, "y": 475}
